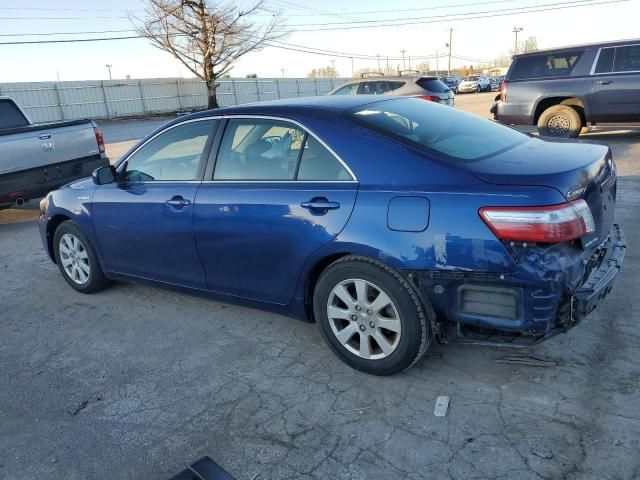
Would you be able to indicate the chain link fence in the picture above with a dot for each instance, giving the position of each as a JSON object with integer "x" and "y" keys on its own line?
{"x": 56, "y": 101}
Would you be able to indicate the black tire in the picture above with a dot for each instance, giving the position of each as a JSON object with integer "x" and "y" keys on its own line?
{"x": 414, "y": 336}
{"x": 96, "y": 280}
{"x": 560, "y": 121}
{"x": 478, "y": 89}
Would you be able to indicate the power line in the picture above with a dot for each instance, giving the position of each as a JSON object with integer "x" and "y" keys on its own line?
{"x": 490, "y": 15}
{"x": 402, "y": 19}
{"x": 44, "y": 34}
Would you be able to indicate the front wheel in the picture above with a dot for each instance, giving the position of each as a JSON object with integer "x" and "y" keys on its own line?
{"x": 370, "y": 316}
{"x": 76, "y": 259}
{"x": 560, "y": 121}
{"x": 478, "y": 89}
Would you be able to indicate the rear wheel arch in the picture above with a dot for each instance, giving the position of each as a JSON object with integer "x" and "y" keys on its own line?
{"x": 575, "y": 102}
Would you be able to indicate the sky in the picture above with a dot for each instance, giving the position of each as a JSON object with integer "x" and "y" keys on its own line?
{"x": 427, "y": 32}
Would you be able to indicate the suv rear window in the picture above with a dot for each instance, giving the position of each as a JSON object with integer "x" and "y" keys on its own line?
{"x": 541, "y": 66}
{"x": 433, "y": 85}
{"x": 10, "y": 115}
{"x": 448, "y": 133}
{"x": 627, "y": 59}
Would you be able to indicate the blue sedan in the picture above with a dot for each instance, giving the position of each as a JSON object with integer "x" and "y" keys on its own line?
{"x": 387, "y": 221}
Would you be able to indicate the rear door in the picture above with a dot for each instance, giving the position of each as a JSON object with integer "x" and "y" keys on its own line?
{"x": 275, "y": 196}
{"x": 378, "y": 87}
{"x": 144, "y": 221}
{"x": 616, "y": 85}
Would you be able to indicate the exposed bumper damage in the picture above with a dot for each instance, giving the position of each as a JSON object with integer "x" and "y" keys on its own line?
{"x": 552, "y": 289}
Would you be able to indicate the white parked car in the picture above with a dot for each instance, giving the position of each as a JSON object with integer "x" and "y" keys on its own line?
{"x": 474, "y": 83}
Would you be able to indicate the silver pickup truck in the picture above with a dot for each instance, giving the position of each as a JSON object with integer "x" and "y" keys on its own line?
{"x": 38, "y": 158}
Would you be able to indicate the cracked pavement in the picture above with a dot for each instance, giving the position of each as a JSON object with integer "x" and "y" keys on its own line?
{"x": 135, "y": 382}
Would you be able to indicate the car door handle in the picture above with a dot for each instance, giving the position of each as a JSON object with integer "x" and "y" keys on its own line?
{"x": 320, "y": 205}
{"x": 178, "y": 202}
{"x": 605, "y": 82}
{"x": 44, "y": 136}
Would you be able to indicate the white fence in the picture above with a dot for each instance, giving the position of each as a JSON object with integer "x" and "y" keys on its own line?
{"x": 53, "y": 101}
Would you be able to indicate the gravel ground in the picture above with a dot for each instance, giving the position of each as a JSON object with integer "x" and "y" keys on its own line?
{"x": 135, "y": 382}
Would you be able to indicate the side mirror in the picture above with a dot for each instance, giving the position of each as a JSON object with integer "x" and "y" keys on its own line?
{"x": 104, "y": 175}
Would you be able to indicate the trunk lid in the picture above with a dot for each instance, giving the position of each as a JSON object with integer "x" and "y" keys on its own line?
{"x": 577, "y": 170}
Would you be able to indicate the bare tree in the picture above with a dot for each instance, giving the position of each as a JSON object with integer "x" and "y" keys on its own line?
{"x": 207, "y": 36}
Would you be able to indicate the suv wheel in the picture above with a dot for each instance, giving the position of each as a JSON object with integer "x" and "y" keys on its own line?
{"x": 560, "y": 121}
{"x": 370, "y": 316}
{"x": 478, "y": 89}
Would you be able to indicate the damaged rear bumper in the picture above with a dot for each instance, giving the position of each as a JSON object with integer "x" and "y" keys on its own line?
{"x": 552, "y": 289}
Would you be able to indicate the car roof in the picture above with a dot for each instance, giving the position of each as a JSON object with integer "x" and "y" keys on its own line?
{"x": 337, "y": 103}
{"x": 634, "y": 41}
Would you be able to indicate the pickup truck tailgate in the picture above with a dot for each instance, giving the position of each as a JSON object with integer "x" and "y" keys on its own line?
{"x": 37, "y": 146}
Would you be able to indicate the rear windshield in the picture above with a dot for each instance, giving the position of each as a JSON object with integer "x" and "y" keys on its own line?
{"x": 449, "y": 133}
{"x": 541, "y": 66}
{"x": 433, "y": 85}
{"x": 10, "y": 115}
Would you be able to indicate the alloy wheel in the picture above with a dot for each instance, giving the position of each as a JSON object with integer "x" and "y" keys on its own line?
{"x": 364, "y": 319}
{"x": 74, "y": 258}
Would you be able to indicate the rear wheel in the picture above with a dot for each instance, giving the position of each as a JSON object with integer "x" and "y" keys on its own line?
{"x": 478, "y": 89}
{"x": 76, "y": 259}
{"x": 560, "y": 121}
{"x": 370, "y": 316}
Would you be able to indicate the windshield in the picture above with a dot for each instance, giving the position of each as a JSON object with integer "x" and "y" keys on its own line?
{"x": 449, "y": 133}
{"x": 471, "y": 79}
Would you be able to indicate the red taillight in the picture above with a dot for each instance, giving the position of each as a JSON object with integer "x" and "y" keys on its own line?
{"x": 99, "y": 139}
{"x": 431, "y": 98}
{"x": 503, "y": 91}
{"x": 550, "y": 224}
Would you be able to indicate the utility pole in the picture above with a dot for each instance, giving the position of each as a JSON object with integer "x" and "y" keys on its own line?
{"x": 409, "y": 62}
{"x": 449, "y": 45}
{"x": 282, "y": 72}
{"x": 437, "y": 64}
{"x": 333, "y": 66}
{"x": 353, "y": 72}
{"x": 403, "y": 64}
{"x": 516, "y": 30}
{"x": 378, "y": 55}
{"x": 109, "y": 68}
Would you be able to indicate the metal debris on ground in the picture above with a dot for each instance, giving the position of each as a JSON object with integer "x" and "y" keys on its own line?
{"x": 442, "y": 405}
{"x": 530, "y": 360}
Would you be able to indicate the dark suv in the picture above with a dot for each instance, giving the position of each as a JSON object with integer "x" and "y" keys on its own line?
{"x": 566, "y": 91}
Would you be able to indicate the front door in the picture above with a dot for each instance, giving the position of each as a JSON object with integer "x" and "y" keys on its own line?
{"x": 144, "y": 221}
{"x": 277, "y": 195}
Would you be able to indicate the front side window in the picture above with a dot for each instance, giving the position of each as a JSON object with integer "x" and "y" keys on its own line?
{"x": 541, "y": 66}
{"x": 627, "y": 59}
{"x": 175, "y": 154}
{"x": 448, "y": 133}
{"x": 351, "y": 89}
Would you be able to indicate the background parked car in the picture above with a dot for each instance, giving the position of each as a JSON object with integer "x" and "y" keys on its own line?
{"x": 496, "y": 83}
{"x": 412, "y": 85}
{"x": 35, "y": 159}
{"x": 566, "y": 91}
{"x": 474, "y": 83}
{"x": 452, "y": 82}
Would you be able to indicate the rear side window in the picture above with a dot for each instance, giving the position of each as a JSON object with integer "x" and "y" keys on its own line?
{"x": 395, "y": 85}
{"x": 448, "y": 133}
{"x": 627, "y": 59}
{"x": 433, "y": 85}
{"x": 605, "y": 60}
{"x": 318, "y": 163}
{"x": 10, "y": 115}
{"x": 541, "y": 66}
{"x": 379, "y": 87}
